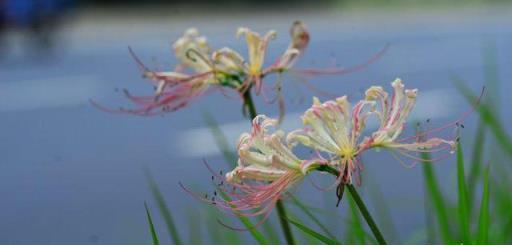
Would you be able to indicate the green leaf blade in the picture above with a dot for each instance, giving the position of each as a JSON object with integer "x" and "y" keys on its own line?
{"x": 463, "y": 204}
{"x": 318, "y": 236}
{"x": 436, "y": 197}
{"x": 476, "y": 162}
{"x": 311, "y": 216}
{"x": 154, "y": 236}
{"x": 483, "y": 222}
{"x": 356, "y": 230}
{"x": 164, "y": 209}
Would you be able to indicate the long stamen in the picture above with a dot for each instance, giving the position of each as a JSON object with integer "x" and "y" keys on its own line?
{"x": 342, "y": 71}
{"x": 453, "y": 123}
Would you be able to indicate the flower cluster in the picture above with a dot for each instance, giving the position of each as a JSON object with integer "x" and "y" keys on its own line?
{"x": 268, "y": 167}
{"x": 201, "y": 68}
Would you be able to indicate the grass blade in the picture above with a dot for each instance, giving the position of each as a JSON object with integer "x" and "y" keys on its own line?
{"x": 304, "y": 237}
{"x": 313, "y": 233}
{"x": 503, "y": 201}
{"x": 476, "y": 162}
{"x": 151, "y": 226}
{"x": 356, "y": 230}
{"x": 463, "y": 204}
{"x": 311, "y": 216}
{"x": 163, "y": 208}
{"x": 436, "y": 197}
{"x": 483, "y": 222}
{"x": 270, "y": 232}
{"x": 430, "y": 221}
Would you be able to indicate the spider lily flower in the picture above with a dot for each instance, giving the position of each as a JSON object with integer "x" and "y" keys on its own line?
{"x": 222, "y": 68}
{"x": 175, "y": 89}
{"x": 257, "y": 48}
{"x": 201, "y": 70}
{"x": 334, "y": 128}
{"x": 266, "y": 169}
{"x": 194, "y": 53}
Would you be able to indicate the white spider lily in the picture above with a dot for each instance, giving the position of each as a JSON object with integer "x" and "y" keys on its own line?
{"x": 230, "y": 61}
{"x": 335, "y": 129}
{"x": 193, "y": 52}
{"x": 266, "y": 169}
{"x": 264, "y": 156}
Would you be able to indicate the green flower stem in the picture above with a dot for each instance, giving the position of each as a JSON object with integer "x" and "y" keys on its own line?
{"x": 283, "y": 219}
{"x": 364, "y": 211}
{"x": 360, "y": 204}
{"x": 250, "y": 104}
{"x": 281, "y": 211}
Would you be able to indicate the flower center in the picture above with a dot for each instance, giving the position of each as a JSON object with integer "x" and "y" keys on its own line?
{"x": 254, "y": 70}
{"x": 347, "y": 152}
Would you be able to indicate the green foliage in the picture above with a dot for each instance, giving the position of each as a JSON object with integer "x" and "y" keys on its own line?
{"x": 483, "y": 222}
{"x": 311, "y": 232}
{"x": 476, "y": 162}
{"x": 355, "y": 232}
{"x": 436, "y": 199}
{"x": 311, "y": 216}
{"x": 463, "y": 204}
{"x": 163, "y": 208}
{"x": 154, "y": 236}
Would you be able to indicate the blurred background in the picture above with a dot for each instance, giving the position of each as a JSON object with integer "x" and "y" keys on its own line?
{"x": 72, "y": 174}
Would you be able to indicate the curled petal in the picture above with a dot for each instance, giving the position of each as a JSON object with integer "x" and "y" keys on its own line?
{"x": 257, "y": 47}
{"x": 394, "y": 118}
{"x": 286, "y": 61}
{"x": 377, "y": 93}
{"x": 299, "y": 41}
{"x": 193, "y": 50}
{"x": 300, "y": 36}
{"x": 228, "y": 60}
